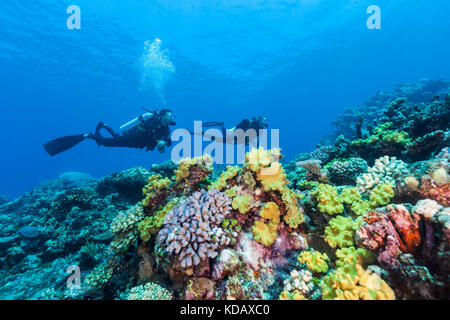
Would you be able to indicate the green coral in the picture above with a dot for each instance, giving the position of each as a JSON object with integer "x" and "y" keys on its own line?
{"x": 352, "y": 255}
{"x": 151, "y": 225}
{"x": 328, "y": 200}
{"x": 314, "y": 260}
{"x": 361, "y": 207}
{"x": 350, "y": 195}
{"x": 381, "y": 195}
{"x": 340, "y": 231}
{"x": 385, "y": 134}
{"x": 242, "y": 203}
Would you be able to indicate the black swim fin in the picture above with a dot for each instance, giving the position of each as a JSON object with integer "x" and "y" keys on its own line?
{"x": 64, "y": 143}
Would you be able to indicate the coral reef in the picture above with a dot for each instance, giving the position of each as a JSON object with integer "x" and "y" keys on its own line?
{"x": 365, "y": 216}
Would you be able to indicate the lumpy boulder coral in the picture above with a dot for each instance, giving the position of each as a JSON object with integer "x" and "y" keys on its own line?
{"x": 390, "y": 233}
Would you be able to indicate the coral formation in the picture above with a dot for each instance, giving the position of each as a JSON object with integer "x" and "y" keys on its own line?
{"x": 314, "y": 260}
{"x": 364, "y": 217}
{"x": 192, "y": 230}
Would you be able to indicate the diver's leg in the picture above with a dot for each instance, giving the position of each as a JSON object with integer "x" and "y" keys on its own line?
{"x": 110, "y": 130}
{"x": 101, "y": 125}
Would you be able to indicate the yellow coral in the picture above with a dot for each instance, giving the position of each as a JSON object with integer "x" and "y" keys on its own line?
{"x": 264, "y": 233}
{"x": 440, "y": 176}
{"x": 353, "y": 282}
{"x": 155, "y": 183}
{"x": 314, "y": 260}
{"x": 224, "y": 177}
{"x": 381, "y": 195}
{"x": 294, "y": 215}
{"x": 151, "y": 225}
{"x": 273, "y": 178}
{"x": 258, "y": 158}
{"x": 294, "y": 295}
{"x": 340, "y": 231}
{"x": 242, "y": 203}
{"x": 271, "y": 212}
{"x": 361, "y": 207}
{"x": 350, "y": 195}
{"x": 183, "y": 170}
{"x": 412, "y": 183}
{"x": 328, "y": 199}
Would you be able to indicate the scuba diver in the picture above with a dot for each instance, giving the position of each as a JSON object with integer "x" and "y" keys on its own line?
{"x": 255, "y": 123}
{"x": 150, "y": 130}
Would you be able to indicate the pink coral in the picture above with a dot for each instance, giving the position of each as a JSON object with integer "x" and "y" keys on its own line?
{"x": 192, "y": 231}
{"x": 429, "y": 189}
{"x": 390, "y": 233}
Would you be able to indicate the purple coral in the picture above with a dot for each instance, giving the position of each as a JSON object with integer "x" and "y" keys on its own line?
{"x": 192, "y": 231}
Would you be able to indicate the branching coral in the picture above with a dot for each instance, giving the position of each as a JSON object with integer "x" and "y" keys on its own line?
{"x": 125, "y": 228}
{"x": 192, "y": 231}
{"x": 298, "y": 285}
{"x": 150, "y": 291}
{"x": 385, "y": 170}
{"x": 100, "y": 275}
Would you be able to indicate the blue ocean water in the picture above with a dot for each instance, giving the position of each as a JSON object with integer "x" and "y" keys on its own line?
{"x": 299, "y": 63}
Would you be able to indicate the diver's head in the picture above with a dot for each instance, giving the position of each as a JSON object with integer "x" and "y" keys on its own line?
{"x": 167, "y": 117}
{"x": 259, "y": 123}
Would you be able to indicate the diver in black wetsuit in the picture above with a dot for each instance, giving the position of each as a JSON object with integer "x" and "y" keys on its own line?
{"x": 255, "y": 123}
{"x": 148, "y": 131}
{"x": 151, "y": 130}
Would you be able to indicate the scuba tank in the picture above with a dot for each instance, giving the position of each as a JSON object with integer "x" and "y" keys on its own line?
{"x": 133, "y": 123}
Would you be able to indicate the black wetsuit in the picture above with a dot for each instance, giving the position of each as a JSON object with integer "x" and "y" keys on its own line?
{"x": 146, "y": 134}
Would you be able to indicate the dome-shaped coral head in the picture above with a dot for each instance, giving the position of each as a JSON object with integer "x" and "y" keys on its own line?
{"x": 192, "y": 231}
